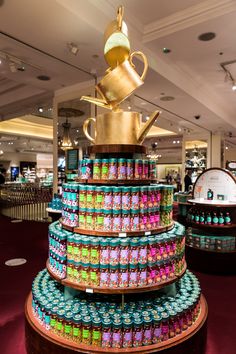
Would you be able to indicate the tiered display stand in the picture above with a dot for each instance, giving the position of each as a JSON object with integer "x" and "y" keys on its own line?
{"x": 39, "y": 340}
{"x": 217, "y": 260}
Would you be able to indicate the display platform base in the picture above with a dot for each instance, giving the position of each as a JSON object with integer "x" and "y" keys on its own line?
{"x": 40, "y": 341}
{"x": 213, "y": 262}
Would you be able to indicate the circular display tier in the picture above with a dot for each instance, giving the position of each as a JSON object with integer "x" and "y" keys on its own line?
{"x": 213, "y": 203}
{"x": 130, "y": 182}
{"x": 128, "y": 290}
{"x": 158, "y": 230}
{"x": 39, "y": 340}
{"x": 212, "y": 262}
{"x": 117, "y": 148}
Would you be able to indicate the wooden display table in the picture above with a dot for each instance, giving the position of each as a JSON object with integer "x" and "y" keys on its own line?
{"x": 40, "y": 341}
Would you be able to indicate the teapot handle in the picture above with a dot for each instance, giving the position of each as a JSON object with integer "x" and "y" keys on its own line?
{"x": 85, "y": 129}
{"x": 145, "y": 62}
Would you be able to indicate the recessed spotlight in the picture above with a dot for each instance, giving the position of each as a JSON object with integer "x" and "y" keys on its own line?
{"x": 226, "y": 148}
{"x": 129, "y": 107}
{"x": 50, "y": 109}
{"x": 207, "y": 36}
{"x": 174, "y": 142}
{"x": 147, "y": 117}
{"x": 43, "y": 77}
{"x": 234, "y": 87}
{"x": 0, "y": 61}
{"x": 77, "y": 130}
{"x": 166, "y": 50}
{"x": 180, "y": 129}
{"x": 167, "y": 98}
{"x": 40, "y": 109}
{"x": 178, "y": 141}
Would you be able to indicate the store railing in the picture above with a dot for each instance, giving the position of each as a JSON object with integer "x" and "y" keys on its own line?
{"x": 25, "y": 201}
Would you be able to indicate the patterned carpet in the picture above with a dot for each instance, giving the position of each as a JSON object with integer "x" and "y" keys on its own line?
{"x": 29, "y": 240}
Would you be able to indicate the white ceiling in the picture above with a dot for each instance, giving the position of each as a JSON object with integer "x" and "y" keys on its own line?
{"x": 191, "y": 73}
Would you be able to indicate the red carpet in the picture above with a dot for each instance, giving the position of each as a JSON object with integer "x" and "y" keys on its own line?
{"x": 29, "y": 240}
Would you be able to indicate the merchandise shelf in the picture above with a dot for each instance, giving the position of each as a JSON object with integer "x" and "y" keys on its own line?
{"x": 130, "y": 182}
{"x": 128, "y": 290}
{"x": 40, "y": 340}
{"x": 213, "y": 203}
{"x": 210, "y": 251}
{"x": 117, "y": 149}
{"x": 210, "y": 226}
{"x": 158, "y": 230}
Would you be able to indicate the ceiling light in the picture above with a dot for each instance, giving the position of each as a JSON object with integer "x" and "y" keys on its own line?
{"x": 77, "y": 130}
{"x": 43, "y": 77}
{"x": 178, "y": 141}
{"x": 129, "y": 107}
{"x": 234, "y": 87}
{"x": 73, "y": 48}
{"x": 21, "y": 68}
{"x": 166, "y": 50}
{"x": 0, "y": 61}
{"x": 147, "y": 117}
{"x": 207, "y": 36}
{"x": 40, "y": 109}
{"x": 167, "y": 98}
{"x": 174, "y": 142}
{"x": 66, "y": 140}
{"x": 180, "y": 129}
{"x": 226, "y": 148}
{"x": 1, "y": 152}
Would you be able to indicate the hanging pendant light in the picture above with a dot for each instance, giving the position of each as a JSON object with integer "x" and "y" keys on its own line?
{"x": 66, "y": 142}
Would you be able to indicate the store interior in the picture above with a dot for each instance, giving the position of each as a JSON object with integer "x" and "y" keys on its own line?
{"x": 51, "y": 57}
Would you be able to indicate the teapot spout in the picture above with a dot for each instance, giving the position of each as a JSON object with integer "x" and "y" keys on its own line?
{"x": 147, "y": 126}
{"x": 98, "y": 101}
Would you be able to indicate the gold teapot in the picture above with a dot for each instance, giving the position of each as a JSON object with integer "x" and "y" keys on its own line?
{"x": 119, "y": 128}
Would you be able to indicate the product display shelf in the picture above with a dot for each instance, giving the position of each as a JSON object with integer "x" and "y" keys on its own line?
{"x": 130, "y": 182}
{"x": 158, "y": 230}
{"x": 212, "y": 251}
{"x": 117, "y": 149}
{"x": 219, "y": 261}
{"x": 39, "y": 340}
{"x": 212, "y": 203}
{"x": 210, "y": 226}
{"x": 107, "y": 290}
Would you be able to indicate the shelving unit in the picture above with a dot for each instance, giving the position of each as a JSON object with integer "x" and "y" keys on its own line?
{"x": 195, "y": 334}
{"x": 217, "y": 257}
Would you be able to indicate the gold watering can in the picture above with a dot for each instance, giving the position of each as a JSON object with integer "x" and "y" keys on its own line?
{"x": 119, "y": 83}
{"x": 119, "y": 128}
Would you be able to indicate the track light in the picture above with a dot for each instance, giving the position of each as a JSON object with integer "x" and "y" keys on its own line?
{"x": 73, "y": 48}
